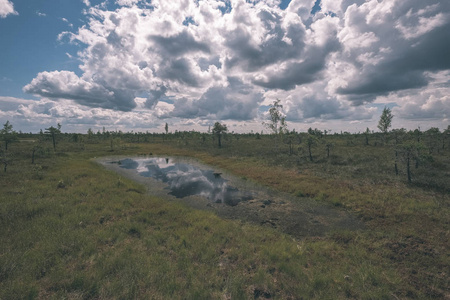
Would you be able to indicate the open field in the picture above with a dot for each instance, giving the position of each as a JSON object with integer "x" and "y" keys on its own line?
{"x": 71, "y": 229}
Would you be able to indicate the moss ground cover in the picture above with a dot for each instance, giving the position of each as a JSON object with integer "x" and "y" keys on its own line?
{"x": 71, "y": 229}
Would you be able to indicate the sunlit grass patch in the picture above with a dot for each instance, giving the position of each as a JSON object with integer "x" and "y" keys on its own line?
{"x": 70, "y": 229}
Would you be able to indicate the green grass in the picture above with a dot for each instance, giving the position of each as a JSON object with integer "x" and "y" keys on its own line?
{"x": 70, "y": 229}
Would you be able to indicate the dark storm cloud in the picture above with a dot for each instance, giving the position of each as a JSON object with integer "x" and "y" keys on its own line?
{"x": 179, "y": 44}
{"x": 251, "y": 57}
{"x": 298, "y": 73}
{"x": 375, "y": 84}
{"x": 431, "y": 53}
{"x": 180, "y": 71}
{"x": 67, "y": 85}
{"x": 114, "y": 39}
{"x": 411, "y": 55}
{"x": 317, "y": 108}
{"x": 204, "y": 63}
{"x": 154, "y": 96}
{"x": 174, "y": 50}
{"x": 237, "y": 101}
{"x": 12, "y": 104}
{"x": 295, "y": 74}
{"x": 434, "y": 110}
{"x": 407, "y": 69}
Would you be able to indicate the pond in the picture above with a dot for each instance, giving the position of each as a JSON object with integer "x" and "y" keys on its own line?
{"x": 208, "y": 188}
{"x": 184, "y": 179}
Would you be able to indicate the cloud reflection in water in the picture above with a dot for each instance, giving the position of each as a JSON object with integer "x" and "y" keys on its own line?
{"x": 184, "y": 179}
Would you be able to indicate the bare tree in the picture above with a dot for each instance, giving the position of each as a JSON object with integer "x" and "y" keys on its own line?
{"x": 310, "y": 142}
{"x": 328, "y": 146}
{"x": 409, "y": 151}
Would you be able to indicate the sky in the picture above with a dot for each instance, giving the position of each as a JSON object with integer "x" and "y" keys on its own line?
{"x": 135, "y": 65}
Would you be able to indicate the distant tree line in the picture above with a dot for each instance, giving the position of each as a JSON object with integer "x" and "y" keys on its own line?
{"x": 410, "y": 148}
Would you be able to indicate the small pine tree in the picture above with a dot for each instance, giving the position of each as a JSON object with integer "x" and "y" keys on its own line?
{"x": 53, "y": 132}
{"x": 366, "y": 135}
{"x": 219, "y": 130}
{"x": 7, "y": 134}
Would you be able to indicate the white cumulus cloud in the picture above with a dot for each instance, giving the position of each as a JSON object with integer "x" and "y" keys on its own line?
{"x": 6, "y": 8}
{"x": 222, "y": 60}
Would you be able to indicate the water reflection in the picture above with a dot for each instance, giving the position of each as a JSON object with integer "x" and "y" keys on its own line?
{"x": 184, "y": 179}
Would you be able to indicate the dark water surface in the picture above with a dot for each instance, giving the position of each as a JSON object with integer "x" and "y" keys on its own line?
{"x": 185, "y": 179}
{"x": 208, "y": 188}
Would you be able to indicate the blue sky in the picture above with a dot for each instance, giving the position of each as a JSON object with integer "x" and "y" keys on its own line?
{"x": 136, "y": 64}
{"x": 29, "y": 42}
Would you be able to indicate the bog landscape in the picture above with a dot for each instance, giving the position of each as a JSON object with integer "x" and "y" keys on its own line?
{"x": 225, "y": 149}
{"x": 307, "y": 215}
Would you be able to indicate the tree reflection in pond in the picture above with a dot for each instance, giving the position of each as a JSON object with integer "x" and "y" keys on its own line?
{"x": 184, "y": 179}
